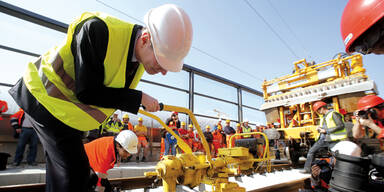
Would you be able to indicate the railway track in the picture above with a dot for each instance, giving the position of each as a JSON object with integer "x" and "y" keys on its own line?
{"x": 144, "y": 182}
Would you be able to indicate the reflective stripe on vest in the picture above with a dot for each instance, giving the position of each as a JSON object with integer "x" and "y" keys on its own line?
{"x": 338, "y": 135}
{"x": 51, "y": 78}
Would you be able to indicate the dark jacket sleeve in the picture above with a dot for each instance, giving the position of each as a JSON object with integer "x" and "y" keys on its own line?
{"x": 338, "y": 121}
{"x": 89, "y": 46}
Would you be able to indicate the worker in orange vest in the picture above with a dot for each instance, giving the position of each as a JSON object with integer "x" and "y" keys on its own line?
{"x": 103, "y": 153}
{"x": 126, "y": 124}
{"x": 183, "y": 132}
{"x": 217, "y": 141}
{"x": 191, "y": 137}
{"x": 3, "y": 108}
{"x": 142, "y": 133}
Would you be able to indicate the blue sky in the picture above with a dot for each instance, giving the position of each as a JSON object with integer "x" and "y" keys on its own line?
{"x": 227, "y": 29}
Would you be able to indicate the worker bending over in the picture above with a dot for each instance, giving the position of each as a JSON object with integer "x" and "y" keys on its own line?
{"x": 77, "y": 85}
{"x": 103, "y": 153}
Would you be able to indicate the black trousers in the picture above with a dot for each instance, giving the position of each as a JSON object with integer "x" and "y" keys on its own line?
{"x": 67, "y": 165}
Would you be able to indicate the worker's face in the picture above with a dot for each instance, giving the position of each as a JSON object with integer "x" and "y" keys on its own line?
{"x": 146, "y": 55}
{"x": 123, "y": 153}
{"x": 190, "y": 128}
{"x": 140, "y": 122}
{"x": 238, "y": 127}
{"x": 125, "y": 120}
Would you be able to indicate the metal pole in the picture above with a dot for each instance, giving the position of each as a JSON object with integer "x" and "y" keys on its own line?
{"x": 191, "y": 91}
{"x": 240, "y": 105}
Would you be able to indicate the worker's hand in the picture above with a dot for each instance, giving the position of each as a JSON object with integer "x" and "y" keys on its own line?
{"x": 315, "y": 171}
{"x": 18, "y": 131}
{"x": 151, "y": 104}
{"x": 366, "y": 122}
{"x": 323, "y": 130}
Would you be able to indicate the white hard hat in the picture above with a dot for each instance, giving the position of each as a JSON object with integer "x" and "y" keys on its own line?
{"x": 128, "y": 140}
{"x": 171, "y": 35}
{"x": 347, "y": 148}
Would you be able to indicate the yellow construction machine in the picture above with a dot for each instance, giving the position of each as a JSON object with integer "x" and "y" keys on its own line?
{"x": 192, "y": 169}
{"x": 340, "y": 82}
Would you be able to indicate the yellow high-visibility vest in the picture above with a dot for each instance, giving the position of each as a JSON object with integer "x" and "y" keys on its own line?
{"x": 51, "y": 79}
{"x": 338, "y": 135}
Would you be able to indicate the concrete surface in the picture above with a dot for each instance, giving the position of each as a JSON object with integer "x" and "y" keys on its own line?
{"x": 25, "y": 174}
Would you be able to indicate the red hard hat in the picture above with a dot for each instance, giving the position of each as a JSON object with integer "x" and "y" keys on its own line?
{"x": 318, "y": 104}
{"x": 358, "y": 17}
{"x": 343, "y": 111}
{"x": 174, "y": 113}
{"x": 369, "y": 101}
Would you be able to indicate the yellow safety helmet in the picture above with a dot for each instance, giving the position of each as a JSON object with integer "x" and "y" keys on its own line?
{"x": 227, "y": 121}
{"x": 238, "y": 125}
{"x": 125, "y": 116}
{"x": 182, "y": 123}
{"x": 190, "y": 125}
{"x": 140, "y": 119}
{"x": 207, "y": 127}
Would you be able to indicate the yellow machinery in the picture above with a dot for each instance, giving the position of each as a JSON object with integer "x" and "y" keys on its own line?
{"x": 191, "y": 169}
{"x": 340, "y": 82}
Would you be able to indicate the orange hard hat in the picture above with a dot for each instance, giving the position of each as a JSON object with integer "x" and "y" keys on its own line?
{"x": 369, "y": 101}
{"x": 357, "y": 18}
{"x": 318, "y": 105}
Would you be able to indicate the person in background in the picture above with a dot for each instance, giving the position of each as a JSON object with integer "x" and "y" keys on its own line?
{"x": 114, "y": 125}
{"x": 191, "y": 137}
{"x": 183, "y": 132}
{"x": 246, "y": 129}
{"x": 218, "y": 140}
{"x": 174, "y": 118}
{"x": 26, "y": 135}
{"x": 3, "y": 108}
{"x": 170, "y": 140}
{"x": 126, "y": 124}
{"x": 208, "y": 136}
{"x": 228, "y": 130}
{"x": 238, "y": 131}
{"x": 103, "y": 153}
{"x": 218, "y": 125}
{"x": 142, "y": 134}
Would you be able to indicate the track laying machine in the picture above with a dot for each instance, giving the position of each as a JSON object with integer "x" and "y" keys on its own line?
{"x": 340, "y": 82}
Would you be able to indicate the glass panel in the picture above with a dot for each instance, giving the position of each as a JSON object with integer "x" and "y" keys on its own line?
{"x": 251, "y": 99}
{"x": 216, "y": 89}
{"x": 165, "y": 95}
{"x": 13, "y": 66}
{"x": 27, "y": 36}
{"x": 254, "y": 116}
{"x": 214, "y": 108}
{"x": 179, "y": 80}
